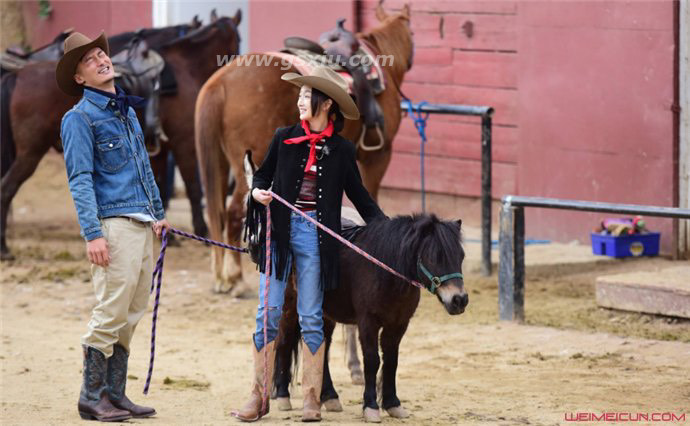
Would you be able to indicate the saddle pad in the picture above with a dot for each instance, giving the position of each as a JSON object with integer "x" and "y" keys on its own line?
{"x": 306, "y": 60}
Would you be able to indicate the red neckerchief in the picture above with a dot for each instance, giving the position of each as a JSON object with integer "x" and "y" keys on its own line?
{"x": 312, "y": 138}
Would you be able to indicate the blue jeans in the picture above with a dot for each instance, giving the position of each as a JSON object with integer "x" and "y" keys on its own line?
{"x": 304, "y": 249}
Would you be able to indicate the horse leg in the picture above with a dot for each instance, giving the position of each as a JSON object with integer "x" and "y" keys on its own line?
{"x": 185, "y": 157}
{"x": 232, "y": 265}
{"x": 390, "y": 344}
{"x": 368, "y": 338}
{"x": 217, "y": 220}
{"x": 287, "y": 346}
{"x": 329, "y": 397}
{"x": 22, "y": 168}
{"x": 159, "y": 166}
{"x": 353, "y": 364}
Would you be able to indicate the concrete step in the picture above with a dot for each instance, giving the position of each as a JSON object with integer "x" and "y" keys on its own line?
{"x": 664, "y": 292}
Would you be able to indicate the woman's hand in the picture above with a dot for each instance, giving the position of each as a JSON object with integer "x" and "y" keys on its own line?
{"x": 262, "y": 196}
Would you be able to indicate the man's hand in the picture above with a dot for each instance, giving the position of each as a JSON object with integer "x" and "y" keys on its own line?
{"x": 97, "y": 250}
{"x": 159, "y": 226}
{"x": 262, "y": 196}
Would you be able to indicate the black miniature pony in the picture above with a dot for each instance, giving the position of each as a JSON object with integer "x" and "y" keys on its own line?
{"x": 421, "y": 247}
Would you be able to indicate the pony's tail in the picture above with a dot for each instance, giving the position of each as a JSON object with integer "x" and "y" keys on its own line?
{"x": 7, "y": 148}
{"x": 213, "y": 166}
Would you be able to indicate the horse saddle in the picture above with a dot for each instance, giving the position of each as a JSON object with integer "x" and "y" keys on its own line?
{"x": 137, "y": 71}
{"x": 15, "y": 58}
{"x": 340, "y": 50}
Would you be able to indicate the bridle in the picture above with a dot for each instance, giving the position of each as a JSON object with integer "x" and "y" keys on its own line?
{"x": 434, "y": 281}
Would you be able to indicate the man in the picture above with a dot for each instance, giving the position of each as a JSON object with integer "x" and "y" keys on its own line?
{"x": 118, "y": 205}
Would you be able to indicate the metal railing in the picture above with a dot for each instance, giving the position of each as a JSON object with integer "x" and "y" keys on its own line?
{"x": 511, "y": 242}
{"x": 485, "y": 112}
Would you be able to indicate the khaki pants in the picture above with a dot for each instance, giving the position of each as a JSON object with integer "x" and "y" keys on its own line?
{"x": 122, "y": 288}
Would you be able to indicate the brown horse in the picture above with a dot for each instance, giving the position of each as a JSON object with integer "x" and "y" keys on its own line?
{"x": 36, "y": 105}
{"x": 241, "y": 105}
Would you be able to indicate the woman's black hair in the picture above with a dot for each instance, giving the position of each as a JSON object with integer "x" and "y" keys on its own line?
{"x": 317, "y": 99}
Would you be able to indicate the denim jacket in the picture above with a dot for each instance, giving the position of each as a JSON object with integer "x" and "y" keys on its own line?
{"x": 107, "y": 164}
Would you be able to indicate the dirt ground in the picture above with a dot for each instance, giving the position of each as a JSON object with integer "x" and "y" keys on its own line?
{"x": 570, "y": 356}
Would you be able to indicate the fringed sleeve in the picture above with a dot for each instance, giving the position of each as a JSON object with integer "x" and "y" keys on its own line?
{"x": 254, "y": 224}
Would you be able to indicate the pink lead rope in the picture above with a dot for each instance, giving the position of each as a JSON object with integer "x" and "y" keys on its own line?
{"x": 264, "y": 396}
{"x": 346, "y": 242}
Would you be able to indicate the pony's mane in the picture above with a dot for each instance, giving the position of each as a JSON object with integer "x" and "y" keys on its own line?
{"x": 399, "y": 241}
{"x": 386, "y": 38}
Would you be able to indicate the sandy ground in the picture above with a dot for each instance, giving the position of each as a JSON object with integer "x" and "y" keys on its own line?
{"x": 570, "y": 357}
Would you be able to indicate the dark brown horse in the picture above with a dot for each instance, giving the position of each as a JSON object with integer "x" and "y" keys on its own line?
{"x": 242, "y": 104}
{"x": 376, "y": 301}
{"x": 36, "y": 106}
{"x": 32, "y": 106}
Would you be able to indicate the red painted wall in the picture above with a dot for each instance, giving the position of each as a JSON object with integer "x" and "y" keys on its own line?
{"x": 271, "y": 21}
{"x": 88, "y": 17}
{"x": 595, "y": 95}
{"x": 582, "y": 92}
{"x": 465, "y": 53}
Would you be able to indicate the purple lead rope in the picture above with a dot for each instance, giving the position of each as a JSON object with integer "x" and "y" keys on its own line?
{"x": 157, "y": 280}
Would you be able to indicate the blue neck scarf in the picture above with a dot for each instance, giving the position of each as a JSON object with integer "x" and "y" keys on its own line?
{"x": 122, "y": 100}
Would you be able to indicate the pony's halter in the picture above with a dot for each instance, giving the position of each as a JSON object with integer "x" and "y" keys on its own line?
{"x": 434, "y": 281}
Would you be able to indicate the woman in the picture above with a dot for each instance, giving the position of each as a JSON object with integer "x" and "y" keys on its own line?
{"x": 308, "y": 164}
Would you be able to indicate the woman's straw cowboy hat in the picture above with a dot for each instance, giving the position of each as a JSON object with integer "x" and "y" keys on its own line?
{"x": 330, "y": 83}
{"x": 76, "y": 45}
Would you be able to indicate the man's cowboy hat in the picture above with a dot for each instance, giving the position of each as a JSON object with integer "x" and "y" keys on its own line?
{"x": 330, "y": 83}
{"x": 76, "y": 45}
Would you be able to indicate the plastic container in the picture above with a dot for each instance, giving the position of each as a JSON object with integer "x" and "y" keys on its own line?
{"x": 626, "y": 245}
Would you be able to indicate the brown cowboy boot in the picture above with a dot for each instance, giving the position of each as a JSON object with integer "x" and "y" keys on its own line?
{"x": 116, "y": 384}
{"x": 312, "y": 377}
{"x": 252, "y": 409}
{"x": 94, "y": 403}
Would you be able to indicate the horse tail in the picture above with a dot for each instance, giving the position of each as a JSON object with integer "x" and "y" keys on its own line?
{"x": 213, "y": 166}
{"x": 7, "y": 147}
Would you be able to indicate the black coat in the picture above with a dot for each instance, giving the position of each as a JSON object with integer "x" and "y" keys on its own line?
{"x": 283, "y": 168}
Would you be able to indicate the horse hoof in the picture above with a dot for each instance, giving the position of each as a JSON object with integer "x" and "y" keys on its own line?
{"x": 398, "y": 412}
{"x": 333, "y": 405}
{"x": 6, "y": 255}
{"x": 372, "y": 415}
{"x": 357, "y": 378}
{"x": 221, "y": 287}
{"x": 284, "y": 404}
